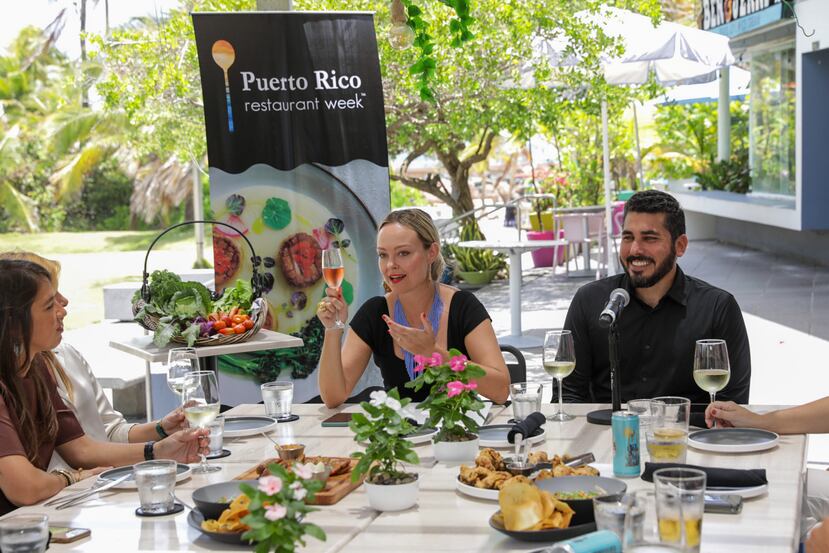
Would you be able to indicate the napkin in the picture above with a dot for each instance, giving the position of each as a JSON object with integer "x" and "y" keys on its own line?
{"x": 526, "y": 427}
{"x": 715, "y": 477}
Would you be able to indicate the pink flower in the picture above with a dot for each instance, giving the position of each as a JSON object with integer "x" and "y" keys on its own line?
{"x": 322, "y": 237}
{"x": 270, "y": 485}
{"x": 458, "y": 363}
{"x": 436, "y": 359}
{"x": 472, "y": 385}
{"x": 299, "y": 491}
{"x": 454, "y": 388}
{"x": 303, "y": 471}
{"x": 275, "y": 512}
{"x": 420, "y": 363}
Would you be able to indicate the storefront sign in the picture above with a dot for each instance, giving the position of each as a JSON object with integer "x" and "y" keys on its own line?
{"x": 296, "y": 142}
{"x": 735, "y": 17}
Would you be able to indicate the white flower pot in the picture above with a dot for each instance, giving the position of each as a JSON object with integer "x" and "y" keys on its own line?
{"x": 455, "y": 452}
{"x": 395, "y": 497}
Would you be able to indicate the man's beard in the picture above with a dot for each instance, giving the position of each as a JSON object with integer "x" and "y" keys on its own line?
{"x": 661, "y": 270}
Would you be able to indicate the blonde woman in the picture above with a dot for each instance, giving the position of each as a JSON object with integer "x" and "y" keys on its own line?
{"x": 418, "y": 316}
{"x": 80, "y": 391}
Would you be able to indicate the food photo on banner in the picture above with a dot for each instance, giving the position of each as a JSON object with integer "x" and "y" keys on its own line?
{"x": 296, "y": 143}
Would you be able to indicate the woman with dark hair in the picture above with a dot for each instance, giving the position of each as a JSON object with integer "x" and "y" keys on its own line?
{"x": 418, "y": 316}
{"x": 33, "y": 420}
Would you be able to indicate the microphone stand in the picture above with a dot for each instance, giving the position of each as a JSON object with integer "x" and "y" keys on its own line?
{"x": 604, "y": 416}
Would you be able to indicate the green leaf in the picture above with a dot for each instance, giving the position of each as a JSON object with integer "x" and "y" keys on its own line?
{"x": 314, "y": 530}
{"x": 413, "y": 10}
{"x": 276, "y": 213}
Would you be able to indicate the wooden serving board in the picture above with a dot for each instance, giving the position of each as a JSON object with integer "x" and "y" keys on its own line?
{"x": 336, "y": 487}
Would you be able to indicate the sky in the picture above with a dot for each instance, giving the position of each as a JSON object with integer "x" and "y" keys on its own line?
{"x": 40, "y": 13}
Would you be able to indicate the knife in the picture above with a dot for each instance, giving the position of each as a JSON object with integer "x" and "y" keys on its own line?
{"x": 73, "y": 500}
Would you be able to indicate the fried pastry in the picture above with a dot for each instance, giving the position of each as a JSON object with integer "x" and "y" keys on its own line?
{"x": 490, "y": 459}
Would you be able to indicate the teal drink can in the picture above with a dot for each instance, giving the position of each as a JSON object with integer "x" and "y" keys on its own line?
{"x": 601, "y": 541}
{"x": 625, "y": 429}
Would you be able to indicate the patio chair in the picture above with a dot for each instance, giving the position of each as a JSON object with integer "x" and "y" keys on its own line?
{"x": 576, "y": 236}
{"x": 518, "y": 368}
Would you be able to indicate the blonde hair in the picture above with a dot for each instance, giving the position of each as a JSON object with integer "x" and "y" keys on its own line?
{"x": 53, "y": 267}
{"x": 420, "y": 222}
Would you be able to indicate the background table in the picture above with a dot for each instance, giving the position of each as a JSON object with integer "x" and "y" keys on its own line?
{"x": 515, "y": 249}
{"x": 443, "y": 520}
{"x": 142, "y": 346}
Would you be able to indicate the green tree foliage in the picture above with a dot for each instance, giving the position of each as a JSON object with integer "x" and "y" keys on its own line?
{"x": 688, "y": 138}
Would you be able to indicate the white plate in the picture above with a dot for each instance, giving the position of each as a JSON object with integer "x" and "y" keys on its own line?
{"x": 495, "y": 435}
{"x": 492, "y": 495}
{"x": 183, "y": 471}
{"x": 733, "y": 440}
{"x": 421, "y": 436}
{"x": 247, "y": 425}
{"x": 745, "y": 493}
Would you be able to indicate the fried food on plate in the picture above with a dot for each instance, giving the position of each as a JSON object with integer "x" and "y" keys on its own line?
{"x": 230, "y": 521}
{"x": 490, "y": 459}
{"x": 525, "y": 507}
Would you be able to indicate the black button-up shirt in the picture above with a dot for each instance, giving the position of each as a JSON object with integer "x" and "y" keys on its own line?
{"x": 656, "y": 345}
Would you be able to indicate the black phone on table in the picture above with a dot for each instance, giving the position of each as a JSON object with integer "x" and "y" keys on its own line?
{"x": 338, "y": 419}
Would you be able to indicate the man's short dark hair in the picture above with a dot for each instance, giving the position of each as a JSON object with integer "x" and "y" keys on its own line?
{"x": 656, "y": 201}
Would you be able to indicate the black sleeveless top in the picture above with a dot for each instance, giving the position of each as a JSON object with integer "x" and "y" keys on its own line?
{"x": 465, "y": 314}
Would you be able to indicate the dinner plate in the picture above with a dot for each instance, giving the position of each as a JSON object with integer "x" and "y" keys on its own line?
{"x": 241, "y": 425}
{"x": 745, "y": 493}
{"x": 495, "y": 435}
{"x": 733, "y": 440}
{"x": 182, "y": 472}
{"x": 492, "y": 495}
{"x": 550, "y": 535}
{"x": 420, "y": 436}
{"x": 195, "y": 518}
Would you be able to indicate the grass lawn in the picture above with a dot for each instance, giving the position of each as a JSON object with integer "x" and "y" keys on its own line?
{"x": 46, "y": 243}
{"x": 91, "y": 260}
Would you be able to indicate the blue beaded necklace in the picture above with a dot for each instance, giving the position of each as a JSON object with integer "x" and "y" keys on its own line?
{"x": 434, "y": 319}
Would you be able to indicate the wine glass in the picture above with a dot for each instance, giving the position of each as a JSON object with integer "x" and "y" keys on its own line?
{"x": 333, "y": 271}
{"x": 200, "y": 395}
{"x": 712, "y": 369}
{"x": 180, "y": 361}
{"x": 559, "y": 358}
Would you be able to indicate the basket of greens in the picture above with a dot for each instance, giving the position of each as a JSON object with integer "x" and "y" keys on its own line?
{"x": 189, "y": 313}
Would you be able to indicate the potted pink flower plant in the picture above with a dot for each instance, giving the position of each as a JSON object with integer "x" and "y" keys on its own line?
{"x": 451, "y": 401}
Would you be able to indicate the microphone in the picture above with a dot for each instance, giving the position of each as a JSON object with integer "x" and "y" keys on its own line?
{"x": 619, "y": 298}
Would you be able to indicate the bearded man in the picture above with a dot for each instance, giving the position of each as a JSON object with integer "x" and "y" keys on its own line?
{"x": 668, "y": 312}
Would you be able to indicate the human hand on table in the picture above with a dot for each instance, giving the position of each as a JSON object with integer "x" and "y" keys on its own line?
{"x": 332, "y": 308}
{"x": 184, "y": 446}
{"x": 818, "y": 541}
{"x": 174, "y": 420}
{"x": 419, "y": 341}
{"x": 728, "y": 414}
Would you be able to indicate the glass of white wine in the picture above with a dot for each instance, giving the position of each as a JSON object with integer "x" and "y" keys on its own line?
{"x": 180, "y": 361}
{"x": 333, "y": 271}
{"x": 712, "y": 370}
{"x": 200, "y": 395}
{"x": 559, "y": 358}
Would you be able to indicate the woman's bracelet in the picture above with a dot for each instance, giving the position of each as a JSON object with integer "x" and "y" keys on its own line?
{"x": 66, "y": 475}
{"x": 160, "y": 430}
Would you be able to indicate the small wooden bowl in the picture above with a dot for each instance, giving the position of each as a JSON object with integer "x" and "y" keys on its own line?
{"x": 290, "y": 452}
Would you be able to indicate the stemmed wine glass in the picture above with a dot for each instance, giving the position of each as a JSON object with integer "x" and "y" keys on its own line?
{"x": 333, "y": 271}
{"x": 180, "y": 362}
{"x": 559, "y": 358}
{"x": 200, "y": 396}
{"x": 712, "y": 370}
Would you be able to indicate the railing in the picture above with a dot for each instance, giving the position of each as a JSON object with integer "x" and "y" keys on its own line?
{"x": 449, "y": 230}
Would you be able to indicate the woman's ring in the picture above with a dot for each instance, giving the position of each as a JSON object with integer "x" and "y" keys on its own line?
{"x": 321, "y": 304}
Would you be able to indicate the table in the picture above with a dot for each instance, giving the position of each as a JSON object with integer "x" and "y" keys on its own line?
{"x": 515, "y": 249}
{"x": 142, "y": 346}
{"x": 444, "y": 520}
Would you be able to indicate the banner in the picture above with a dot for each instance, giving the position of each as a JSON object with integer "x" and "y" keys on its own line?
{"x": 296, "y": 143}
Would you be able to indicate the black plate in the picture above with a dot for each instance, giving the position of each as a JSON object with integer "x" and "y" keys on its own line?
{"x": 207, "y": 497}
{"x": 195, "y": 518}
{"x": 583, "y": 507}
{"x": 550, "y": 535}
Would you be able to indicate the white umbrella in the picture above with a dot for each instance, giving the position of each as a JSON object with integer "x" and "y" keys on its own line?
{"x": 673, "y": 53}
{"x": 739, "y": 84}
